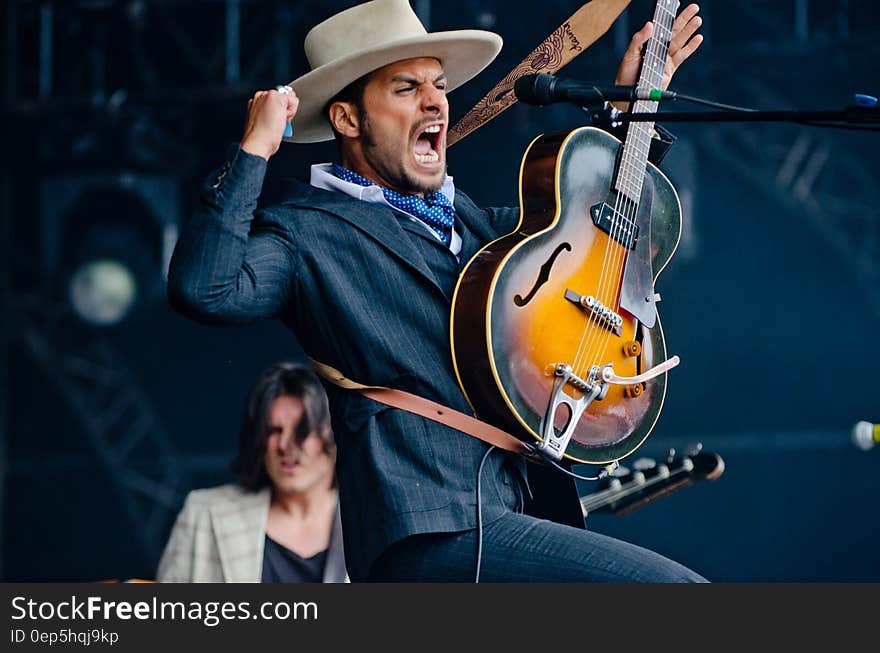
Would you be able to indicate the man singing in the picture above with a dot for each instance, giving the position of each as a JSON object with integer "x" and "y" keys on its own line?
{"x": 361, "y": 264}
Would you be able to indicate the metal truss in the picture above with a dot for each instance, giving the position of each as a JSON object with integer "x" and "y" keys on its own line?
{"x": 794, "y": 55}
{"x": 119, "y": 421}
{"x": 814, "y": 176}
{"x": 80, "y": 52}
{"x": 826, "y": 176}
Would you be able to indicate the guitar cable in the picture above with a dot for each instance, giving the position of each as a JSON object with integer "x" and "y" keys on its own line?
{"x": 480, "y": 514}
{"x": 602, "y": 474}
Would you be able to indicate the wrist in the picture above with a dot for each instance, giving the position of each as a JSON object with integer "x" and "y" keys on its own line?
{"x": 252, "y": 146}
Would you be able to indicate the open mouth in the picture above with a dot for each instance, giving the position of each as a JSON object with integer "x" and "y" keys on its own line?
{"x": 288, "y": 466}
{"x": 426, "y": 149}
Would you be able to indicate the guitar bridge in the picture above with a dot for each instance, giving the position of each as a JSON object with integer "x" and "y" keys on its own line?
{"x": 597, "y": 311}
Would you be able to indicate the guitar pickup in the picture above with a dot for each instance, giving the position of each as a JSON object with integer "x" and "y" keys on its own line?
{"x": 615, "y": 224}
{"x": 597, "y": 311}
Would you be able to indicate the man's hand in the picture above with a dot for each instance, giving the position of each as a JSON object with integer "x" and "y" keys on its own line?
{"x": 267, "y": 116}
{"x": 682, "y": 45}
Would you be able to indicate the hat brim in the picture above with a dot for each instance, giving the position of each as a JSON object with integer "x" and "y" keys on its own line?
{"x": 462, "y": 53}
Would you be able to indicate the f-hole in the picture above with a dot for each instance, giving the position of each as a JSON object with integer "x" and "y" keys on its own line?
{"x": 543, "y": 275}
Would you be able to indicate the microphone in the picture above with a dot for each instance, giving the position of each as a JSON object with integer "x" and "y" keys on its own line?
{"x": 541, "y": 88}
{"x": 866, "y": 435}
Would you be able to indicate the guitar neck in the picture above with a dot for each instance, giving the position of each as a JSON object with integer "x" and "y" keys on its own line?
{"x": 630, "y": 174}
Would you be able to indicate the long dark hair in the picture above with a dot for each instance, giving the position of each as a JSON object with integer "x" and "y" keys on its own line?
{"x": 279, "y": 380}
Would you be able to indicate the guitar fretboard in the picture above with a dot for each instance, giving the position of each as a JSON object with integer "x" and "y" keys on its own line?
{"x": 631, "y": 172}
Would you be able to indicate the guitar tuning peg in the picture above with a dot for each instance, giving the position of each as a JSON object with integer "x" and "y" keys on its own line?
{"x": 643, "y": 464}
{"x": 694, "y": 449}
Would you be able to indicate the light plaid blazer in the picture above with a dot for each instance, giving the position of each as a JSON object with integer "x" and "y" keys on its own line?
{"x": 219, "y": 536}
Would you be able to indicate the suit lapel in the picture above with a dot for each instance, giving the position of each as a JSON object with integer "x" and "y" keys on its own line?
{"x": 475, "y": 218}
{"x": 376, "y": 220}
{"x": 475, "y": 231}
{"x": 469, "y": 242}
{"x": 470, "y": 245}
{"x": 239, "y": 529}
{"x": 410, "y": 224}
{"x": 334, "y": 567}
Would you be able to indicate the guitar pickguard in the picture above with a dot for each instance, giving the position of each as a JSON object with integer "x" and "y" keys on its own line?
{"x": 637, "y": 291}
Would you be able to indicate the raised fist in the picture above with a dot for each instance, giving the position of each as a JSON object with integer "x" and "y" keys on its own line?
{"x": 268, "y": 114}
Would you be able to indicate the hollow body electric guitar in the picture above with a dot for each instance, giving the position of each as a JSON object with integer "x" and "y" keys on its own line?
{"x": 555, "y": 331}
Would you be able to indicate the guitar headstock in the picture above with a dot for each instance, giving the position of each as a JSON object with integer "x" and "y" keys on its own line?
{"x": 694, "y": 462}
{"x": 627, "y": 489}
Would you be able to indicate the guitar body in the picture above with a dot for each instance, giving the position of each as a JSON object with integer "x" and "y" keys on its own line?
{"x": 512, "y": 321}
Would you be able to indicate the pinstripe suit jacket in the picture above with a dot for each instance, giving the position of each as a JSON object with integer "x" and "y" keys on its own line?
{"x": 219, "y": 537}
{"x": 350, "y": 278}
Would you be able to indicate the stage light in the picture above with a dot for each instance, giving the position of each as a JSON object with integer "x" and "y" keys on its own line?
{"x": 107, "y": 243}
{"x": 103, "y": 291}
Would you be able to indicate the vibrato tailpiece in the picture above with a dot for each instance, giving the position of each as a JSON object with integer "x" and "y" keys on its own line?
{"x": 594, "y": 387}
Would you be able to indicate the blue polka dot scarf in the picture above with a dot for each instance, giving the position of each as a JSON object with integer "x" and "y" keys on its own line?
{"x": 435, "y": 210}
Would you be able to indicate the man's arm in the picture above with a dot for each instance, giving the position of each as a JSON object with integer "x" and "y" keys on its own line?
{"x": 233, "y": 263}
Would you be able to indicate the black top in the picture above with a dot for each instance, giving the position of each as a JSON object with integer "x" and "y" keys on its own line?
{"x": 281, "y": 565}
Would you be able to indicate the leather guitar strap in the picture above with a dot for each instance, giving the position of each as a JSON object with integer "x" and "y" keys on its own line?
{"x": 571, "y": 38}
{"x": 428, "y": 409}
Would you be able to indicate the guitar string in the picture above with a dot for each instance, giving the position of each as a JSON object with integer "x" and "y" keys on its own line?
{"x": 658, "y": 45}
{"x": 656, "y": 54}
{"x": 609, "y": 283}
{"x": 594, "y": 326}
{"x": 610, "y": 292}
{"x": 597, "y": 324}
{"x": 585, "y": 354}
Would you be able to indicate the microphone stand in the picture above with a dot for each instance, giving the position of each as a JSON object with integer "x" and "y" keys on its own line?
{"x": 608, "y": 116}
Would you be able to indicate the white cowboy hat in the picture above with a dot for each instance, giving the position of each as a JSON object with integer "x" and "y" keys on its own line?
{"x": 367, "y": 37}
